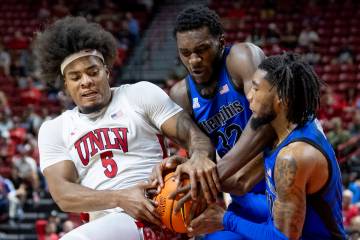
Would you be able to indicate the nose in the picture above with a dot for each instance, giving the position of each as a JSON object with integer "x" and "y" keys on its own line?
{"x": 194, "y": 59}
{"x": 250, "y": 95}
{"x": 86, "y": 80}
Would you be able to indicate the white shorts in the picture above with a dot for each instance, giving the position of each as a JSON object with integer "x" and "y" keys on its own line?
{"x": 113, "y": 226}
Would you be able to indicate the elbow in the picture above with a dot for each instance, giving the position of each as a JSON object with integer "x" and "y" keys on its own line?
{"x": 63, "y": 202}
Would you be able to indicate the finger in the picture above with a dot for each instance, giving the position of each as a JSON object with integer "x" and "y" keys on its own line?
{"x": 215, "y": 176}
{"x": 174, "y": 161}
{"x": 151, "y": 213}
{"x": 181, "y": 202}
{"x": 194, "y": 206}
{"x": 148, "y": 216}
{"x": 159, "y": 175}
{"x": 177, "y": 175}
{"x": 212, "y": 185}
{"x": 196, "y": 221}
{"x": 205, "y": 189}
{"x": 153, "y": 202}
{"x": 193, "y": 182}
{"x": 180, "y": 190}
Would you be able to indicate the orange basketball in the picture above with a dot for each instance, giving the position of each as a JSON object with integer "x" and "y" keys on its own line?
{"x": 166, "y": 207}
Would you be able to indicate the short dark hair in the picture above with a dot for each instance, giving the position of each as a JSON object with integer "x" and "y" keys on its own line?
{"x": 67, "y": 36}
{"x": 296, "y": 83}
{"x": 196, "y": 17}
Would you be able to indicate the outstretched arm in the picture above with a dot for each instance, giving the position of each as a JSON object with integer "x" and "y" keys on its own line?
{"x": 250, "y": 144}
{"x": 246, "y": 178}
{"x": 70, "y": 196}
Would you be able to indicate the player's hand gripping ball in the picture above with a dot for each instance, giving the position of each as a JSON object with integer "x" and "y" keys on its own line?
{"x": 166, "y": 206}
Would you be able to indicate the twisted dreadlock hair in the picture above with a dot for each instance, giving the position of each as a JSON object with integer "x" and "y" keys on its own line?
{"x": 296, "y": 84}
{"x": 196, "y": 17}
{"x": 67, "y": 36}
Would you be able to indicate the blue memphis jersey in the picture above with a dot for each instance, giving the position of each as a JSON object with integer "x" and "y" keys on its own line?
{"x": 323, "y": 219}
{"x": 224, "y": 115}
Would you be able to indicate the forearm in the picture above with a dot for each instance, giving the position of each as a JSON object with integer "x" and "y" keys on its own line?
{"x": 249, "y": 229}
{"x": 192, "y": 138}
{"x": 250, "y": 144}
{"x": 72, "y": 197}
{"x": 246, "y": 178}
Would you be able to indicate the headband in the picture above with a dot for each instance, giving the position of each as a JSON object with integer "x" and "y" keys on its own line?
{"x": 83, "y": 53}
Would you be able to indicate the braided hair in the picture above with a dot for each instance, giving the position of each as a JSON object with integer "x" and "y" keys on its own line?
{"x": 296, "y": 83}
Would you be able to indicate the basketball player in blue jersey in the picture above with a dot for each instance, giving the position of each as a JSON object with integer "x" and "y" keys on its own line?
{"x": 214, "y": 93}
{"x": 303, "y": 180}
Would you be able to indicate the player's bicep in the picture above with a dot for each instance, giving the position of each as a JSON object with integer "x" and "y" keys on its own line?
{"x": 290, "y": 205}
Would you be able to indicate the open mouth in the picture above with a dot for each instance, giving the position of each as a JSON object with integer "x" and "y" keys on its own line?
{"x": 198, "y": 72}
{"x": 89, "y": 94}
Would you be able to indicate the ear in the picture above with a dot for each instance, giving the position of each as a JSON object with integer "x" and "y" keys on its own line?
{"x": 278, "y": 103}
{"x": 222, "y": 41}
{"x": 107, "y": 71}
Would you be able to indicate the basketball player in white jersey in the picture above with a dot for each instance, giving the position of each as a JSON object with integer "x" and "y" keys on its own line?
{"x": 97, "y": 156}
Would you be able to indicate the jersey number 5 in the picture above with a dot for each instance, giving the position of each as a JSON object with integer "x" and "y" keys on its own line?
{"x": 109, "y": 164}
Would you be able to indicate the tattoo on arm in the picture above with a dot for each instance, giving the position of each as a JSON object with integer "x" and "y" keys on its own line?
{"x": 191, "y": 137}
{"x": 290, "y": 206}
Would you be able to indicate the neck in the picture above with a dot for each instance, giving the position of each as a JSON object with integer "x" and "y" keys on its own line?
{"x": 282, "y": 127}
{"x": 208, "y": 89}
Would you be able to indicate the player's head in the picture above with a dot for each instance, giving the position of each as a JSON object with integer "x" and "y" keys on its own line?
{"x": 78, "y": 53}
{"x": 284, "y": 84}
{"x": 200, "y": 41}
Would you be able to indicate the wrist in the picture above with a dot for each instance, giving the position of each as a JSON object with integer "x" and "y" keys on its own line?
{"x": 221, "y": 220}
{"x": 202, "y": 154}
{"x": 117, "y": 198}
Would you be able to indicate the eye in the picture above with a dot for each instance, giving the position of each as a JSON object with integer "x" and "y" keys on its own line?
{"x": 93, "y": 72}
{"x": 202, "y": 49}
{"x": 74, "y": 77}
{"x": 185, "y": 53}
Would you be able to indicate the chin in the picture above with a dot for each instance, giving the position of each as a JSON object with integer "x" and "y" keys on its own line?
{"x": 91, "y": 108}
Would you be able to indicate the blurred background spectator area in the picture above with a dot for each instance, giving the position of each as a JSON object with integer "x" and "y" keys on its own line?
{"x": 325, "y": 32}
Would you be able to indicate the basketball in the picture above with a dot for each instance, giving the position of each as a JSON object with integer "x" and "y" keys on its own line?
{"x": 166, "y": 207}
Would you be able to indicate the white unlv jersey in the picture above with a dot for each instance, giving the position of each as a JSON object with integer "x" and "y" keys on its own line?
{"x": 117, "y": 149}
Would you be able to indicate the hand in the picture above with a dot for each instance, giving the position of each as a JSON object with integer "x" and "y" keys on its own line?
{"x": 167, "y": 165}
{"x": 210, "y": 220}
{"x": 199, "y": 168}
{"x": 134, "y": 203}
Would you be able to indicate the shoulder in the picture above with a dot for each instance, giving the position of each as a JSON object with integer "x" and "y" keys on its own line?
{"x": 53, "y": 129}
{"x": 242, "y": 62}
{"x": 302, "y": 160}
{"x": 137, "y": 93}
{"x": 142, "y": 87}
{"x": 53, "y": 124}
{"x": 179, "y": 94}
{"x": 303, "y": 152}
{"x": 246, "y": 52}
